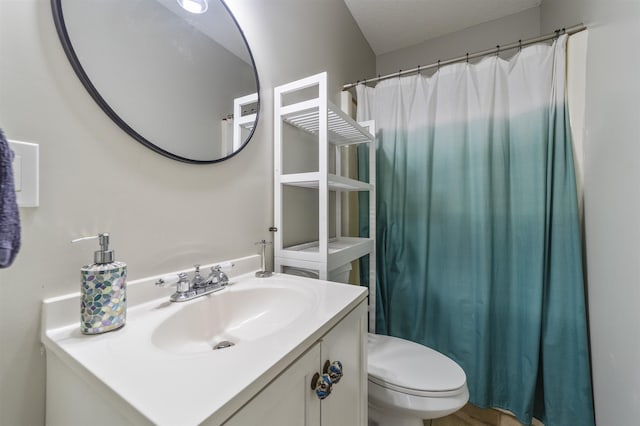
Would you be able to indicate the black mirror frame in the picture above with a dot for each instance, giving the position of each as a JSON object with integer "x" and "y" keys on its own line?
{"x": 58, "y": 18}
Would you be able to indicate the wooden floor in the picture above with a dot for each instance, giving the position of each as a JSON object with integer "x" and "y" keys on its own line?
{"x": 471, "y": 415}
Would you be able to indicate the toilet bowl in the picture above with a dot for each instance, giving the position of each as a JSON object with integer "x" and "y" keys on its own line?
{"x": 409, "y": 382}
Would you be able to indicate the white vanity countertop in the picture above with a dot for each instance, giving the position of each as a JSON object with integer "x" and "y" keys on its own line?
{"x": 180, "y": 389}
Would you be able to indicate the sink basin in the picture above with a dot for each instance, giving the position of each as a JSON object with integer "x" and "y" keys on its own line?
{"x": 230, "y": 316}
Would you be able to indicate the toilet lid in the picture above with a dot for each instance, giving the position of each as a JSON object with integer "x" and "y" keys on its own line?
{"x": 412, "y": 368}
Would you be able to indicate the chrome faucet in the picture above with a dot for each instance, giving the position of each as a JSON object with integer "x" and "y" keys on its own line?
{"x": 198, "y": 280}
{"x": 199, "y": 286}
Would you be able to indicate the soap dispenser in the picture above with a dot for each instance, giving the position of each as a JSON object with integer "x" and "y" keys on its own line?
{"x": 103, "y": 295}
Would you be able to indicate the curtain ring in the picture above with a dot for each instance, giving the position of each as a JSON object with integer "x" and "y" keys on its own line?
{"x": 467, "y": 57}
{"x": 438, "y": 64}
{"x": 520, "y": 45}
{"x": 557, "y": 34}
{"x": 418, "y": 69}
{"x": 399, "y": 72}
{"x": 497, "y": 50}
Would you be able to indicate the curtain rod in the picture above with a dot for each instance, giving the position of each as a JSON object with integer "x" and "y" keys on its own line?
{"x": 518, "y": 44}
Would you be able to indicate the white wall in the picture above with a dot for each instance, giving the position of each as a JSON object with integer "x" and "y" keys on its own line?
{"x": 163, "y": 215}
{"x": 523, "y": 25}
{"x": 612, "y": 197}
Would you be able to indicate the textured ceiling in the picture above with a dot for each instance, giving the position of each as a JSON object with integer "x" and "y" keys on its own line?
{"x": 390, "y": 25}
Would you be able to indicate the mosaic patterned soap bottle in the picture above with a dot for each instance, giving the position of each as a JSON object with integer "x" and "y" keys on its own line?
{"x": 103, "y": 294}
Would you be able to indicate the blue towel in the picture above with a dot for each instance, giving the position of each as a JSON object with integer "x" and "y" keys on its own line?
{"x": 9, "y": 214}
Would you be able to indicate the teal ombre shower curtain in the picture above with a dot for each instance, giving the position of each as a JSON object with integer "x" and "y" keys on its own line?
{"x": 479, "y": 252}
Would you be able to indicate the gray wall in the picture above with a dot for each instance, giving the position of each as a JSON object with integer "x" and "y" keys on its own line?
{"x": 163, "y": 215}
{"x": 612, "y": 198}
{"x": 509, "y": 29}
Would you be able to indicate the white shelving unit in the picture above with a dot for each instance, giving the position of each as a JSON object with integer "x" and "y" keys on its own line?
{"x": 240, "y": 121}
{"x": 333, "y": 129}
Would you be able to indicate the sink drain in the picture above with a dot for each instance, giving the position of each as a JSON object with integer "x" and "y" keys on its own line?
{"x": 224, "y": 344}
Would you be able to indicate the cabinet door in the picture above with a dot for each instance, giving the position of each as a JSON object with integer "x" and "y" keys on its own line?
{"x": 288, "y": 400}
{"x": 346, "y": 342}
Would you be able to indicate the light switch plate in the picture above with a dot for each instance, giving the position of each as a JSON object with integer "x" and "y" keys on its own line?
{"x": 17, "y": 172}
{"x": 26, "y": 172}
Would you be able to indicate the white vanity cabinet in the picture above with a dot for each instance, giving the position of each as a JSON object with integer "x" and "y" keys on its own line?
{"x": 161, "y": 369}
{"x": 289, "y": 400}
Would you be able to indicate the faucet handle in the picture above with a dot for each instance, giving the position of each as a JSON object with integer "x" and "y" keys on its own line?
{"x": 167, "y": 280}
{"x": 223, "y": 266}
{"x": 183, "y": 285}
{"x": 217, "y": 269}
{"x": 217, "y": 276}
{"x": 181, "y": 281}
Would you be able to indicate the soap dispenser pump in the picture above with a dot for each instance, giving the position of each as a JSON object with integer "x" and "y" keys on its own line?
{"x": 103, "y": 291}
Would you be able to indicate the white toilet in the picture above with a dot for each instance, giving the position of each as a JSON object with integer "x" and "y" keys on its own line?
{"x": 409, "y": 382}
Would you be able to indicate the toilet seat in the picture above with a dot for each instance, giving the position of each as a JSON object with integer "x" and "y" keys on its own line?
{"x": 413, "y": 369}
{"x": 409, "y": 382}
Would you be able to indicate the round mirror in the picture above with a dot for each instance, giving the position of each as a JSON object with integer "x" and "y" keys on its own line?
{"x": 176, "y": 75}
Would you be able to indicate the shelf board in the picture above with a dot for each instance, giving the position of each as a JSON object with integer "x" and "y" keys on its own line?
{"x": 341, "y": 250}
{"x": 336, "y": 183}
{"x": 247, "y": 121}
{"x": 342, "y": 129}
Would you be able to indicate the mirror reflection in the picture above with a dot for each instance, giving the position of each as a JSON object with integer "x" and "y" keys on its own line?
{"x": 177, "y": 75}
